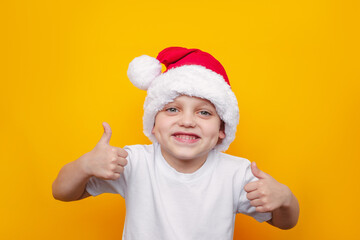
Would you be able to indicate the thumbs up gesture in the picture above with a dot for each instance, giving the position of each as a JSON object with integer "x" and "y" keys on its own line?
{"x": 266, "y": 194}
{"x": 105, "y": 161}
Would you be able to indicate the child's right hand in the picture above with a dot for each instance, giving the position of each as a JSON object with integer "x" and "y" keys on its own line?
{"x": 105, "y": 161}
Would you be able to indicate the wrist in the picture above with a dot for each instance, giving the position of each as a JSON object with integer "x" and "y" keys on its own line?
{"x": 83, "y": 163}
{"x": 288, "y": 199}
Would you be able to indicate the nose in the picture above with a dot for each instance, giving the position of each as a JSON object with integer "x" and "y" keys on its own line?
{"x": 187, "y": 119}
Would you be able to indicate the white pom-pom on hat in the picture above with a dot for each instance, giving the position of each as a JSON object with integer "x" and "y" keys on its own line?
{"x": 143, "y": 70}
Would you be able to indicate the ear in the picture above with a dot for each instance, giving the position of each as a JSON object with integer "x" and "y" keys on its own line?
{"x": 222, "y": 134}
{"x": 153, "y": 129}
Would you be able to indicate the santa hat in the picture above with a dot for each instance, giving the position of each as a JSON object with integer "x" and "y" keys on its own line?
{"x": 190, "y": 72}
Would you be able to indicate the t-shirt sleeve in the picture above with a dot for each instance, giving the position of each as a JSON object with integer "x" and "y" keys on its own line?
{"x": 96, "y": 186}
{"x": 244, "y": 205}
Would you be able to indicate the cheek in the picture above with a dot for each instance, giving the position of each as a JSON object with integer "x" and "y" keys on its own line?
{"x": 161, "y": 124}
{"x": 213, "y": 129}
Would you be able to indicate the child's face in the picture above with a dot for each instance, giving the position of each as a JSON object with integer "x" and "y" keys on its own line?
{"x": 187, "y": 129}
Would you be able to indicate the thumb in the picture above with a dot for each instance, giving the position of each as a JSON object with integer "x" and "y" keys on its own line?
{"x": 105, "y": 138}
{"x": 257, "y": 172}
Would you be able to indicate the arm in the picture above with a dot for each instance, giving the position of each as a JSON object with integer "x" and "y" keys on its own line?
{"x": 71, "y": 181}
{"x": 104, "y": 161}
{"x": 286, "y": 216}
{"x": 268, "y": 195}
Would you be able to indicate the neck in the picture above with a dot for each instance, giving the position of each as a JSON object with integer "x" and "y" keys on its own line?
{"x": 184, "y": 165}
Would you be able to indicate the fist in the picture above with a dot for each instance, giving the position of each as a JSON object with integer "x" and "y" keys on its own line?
{"x": 105, "y": 161}
{"x": 266, "y": 194}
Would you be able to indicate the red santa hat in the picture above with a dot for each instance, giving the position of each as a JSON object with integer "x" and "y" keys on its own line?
{"x": 190, "y": 72}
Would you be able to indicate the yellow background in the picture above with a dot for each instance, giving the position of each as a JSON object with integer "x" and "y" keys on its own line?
{"x": 294, "y": 66}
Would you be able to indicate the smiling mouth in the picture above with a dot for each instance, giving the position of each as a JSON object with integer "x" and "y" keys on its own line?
{"x": 186, "y": 137}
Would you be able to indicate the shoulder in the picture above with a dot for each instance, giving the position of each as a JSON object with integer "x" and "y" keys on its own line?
{"x": 138, "y": 154}
{"x": 233, "y": 162}
{"x": 236, "y": 168}
{"x": 138, "y": 149}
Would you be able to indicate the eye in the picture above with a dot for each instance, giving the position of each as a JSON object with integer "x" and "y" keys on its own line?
{"x": 205, "y": 113}
{"x": 171, "y": 109}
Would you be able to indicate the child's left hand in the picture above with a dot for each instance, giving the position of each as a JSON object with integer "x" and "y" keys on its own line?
{"x": 267, "y": 194}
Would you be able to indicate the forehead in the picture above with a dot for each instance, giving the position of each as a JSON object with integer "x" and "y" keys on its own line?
{"x": 184, "y": 99}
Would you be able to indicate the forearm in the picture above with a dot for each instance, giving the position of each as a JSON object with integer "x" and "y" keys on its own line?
{"x": 71, "y": 181}
{"x": 286, "y": 216}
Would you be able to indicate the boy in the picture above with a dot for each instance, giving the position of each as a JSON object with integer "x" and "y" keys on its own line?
{"x": 182, "y": 186}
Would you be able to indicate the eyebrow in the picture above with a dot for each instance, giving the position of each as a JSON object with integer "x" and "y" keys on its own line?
{"x": 201, "y": 104}
{"x": 206, "y": 105}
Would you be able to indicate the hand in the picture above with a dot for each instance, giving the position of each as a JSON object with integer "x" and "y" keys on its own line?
{"x": 105, "y": 161}
{"x": 266, "y": 194}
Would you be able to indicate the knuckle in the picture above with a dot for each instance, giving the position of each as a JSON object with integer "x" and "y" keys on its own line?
{"x": 108, "y": 175}
{"x": 124, "y": 161}
{"x": 260, "y": 209}
{"x": 112, "y": 168}
{"x": 262, "y": 192}
{"x": 267, "y": 209}
{"x": 115, "y": 176}
{"x": 112, "y": 156}
{"x": 123, "y": 153}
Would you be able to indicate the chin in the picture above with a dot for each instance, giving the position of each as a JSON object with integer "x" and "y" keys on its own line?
{"x": 189, "y": 156}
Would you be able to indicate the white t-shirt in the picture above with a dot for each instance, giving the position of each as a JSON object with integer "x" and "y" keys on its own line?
{"x": 162, "y": 203}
